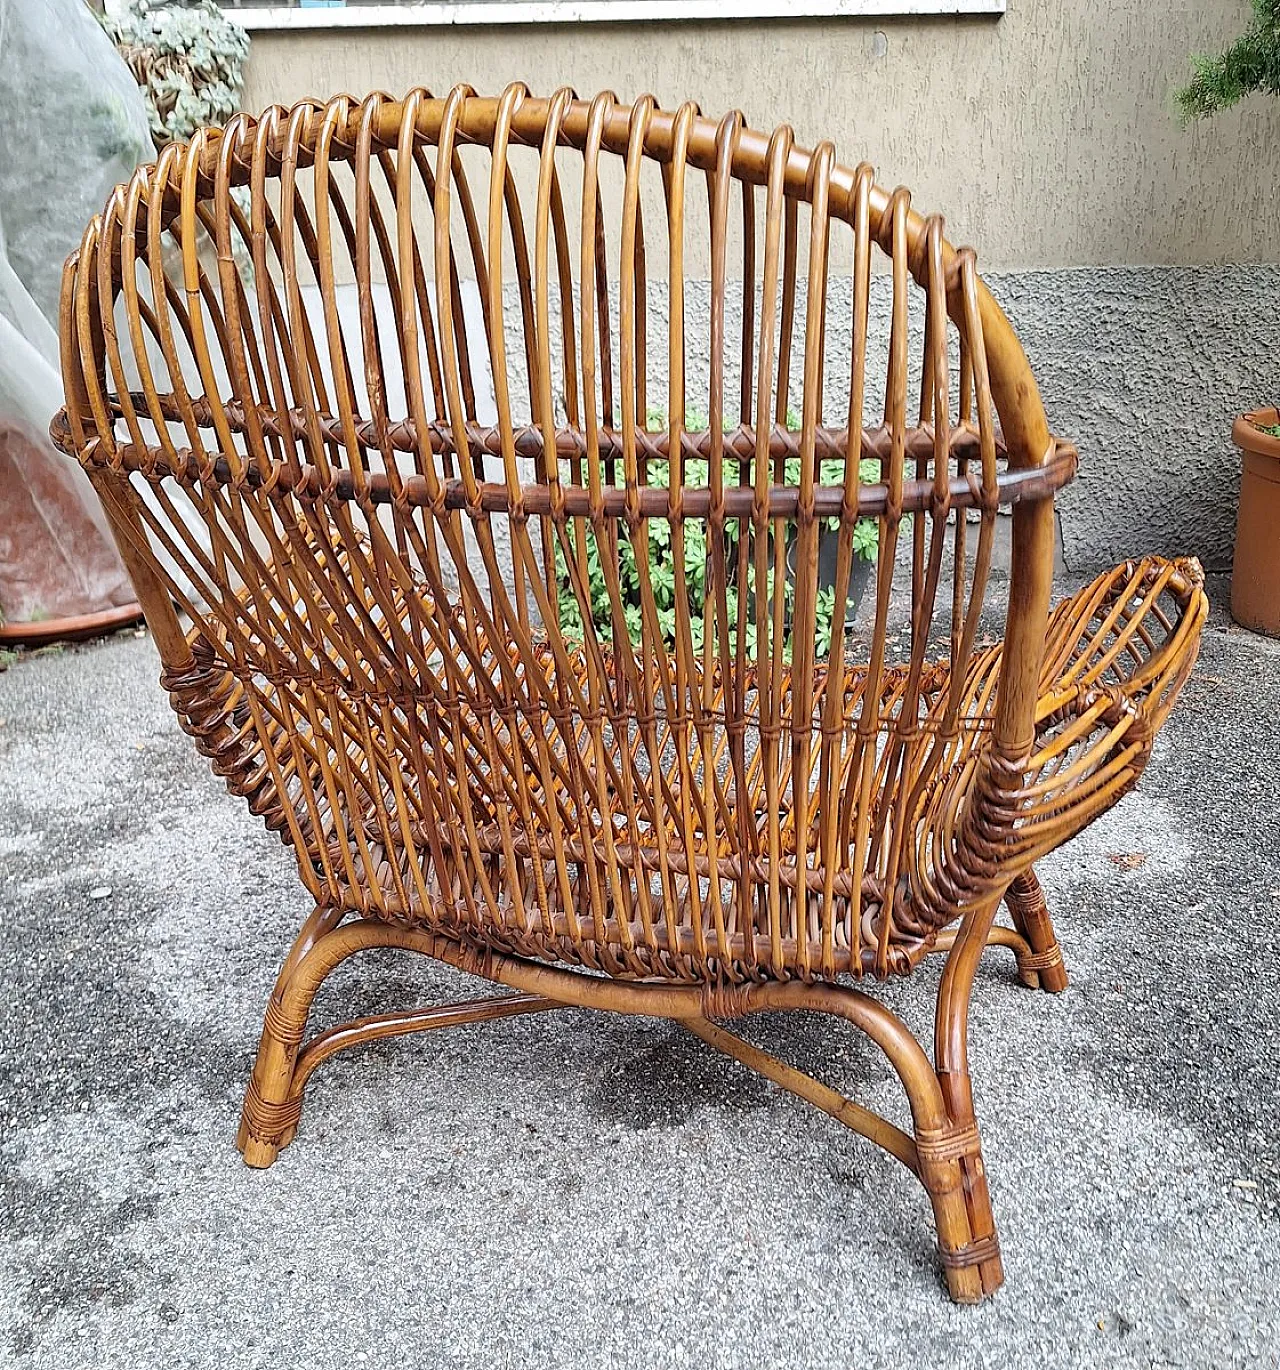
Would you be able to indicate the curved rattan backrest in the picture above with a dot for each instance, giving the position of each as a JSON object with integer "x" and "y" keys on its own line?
{"x": 396, "y": 399}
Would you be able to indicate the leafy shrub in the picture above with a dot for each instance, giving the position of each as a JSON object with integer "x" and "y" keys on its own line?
{"x": 1250, "y": 64}
{"x": 662, "y": 560}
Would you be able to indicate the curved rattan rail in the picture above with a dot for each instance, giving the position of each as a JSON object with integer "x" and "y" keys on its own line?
{"x": 533, "y": 678}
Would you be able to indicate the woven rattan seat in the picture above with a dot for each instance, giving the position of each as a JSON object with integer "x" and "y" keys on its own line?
{"x": 474, "y": 461}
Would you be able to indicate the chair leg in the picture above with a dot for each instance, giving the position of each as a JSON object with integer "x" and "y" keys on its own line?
{"x": 269, "y": 1117}
{"x": 955, "y": 1178}
{"x": 951, "y": 1164}
{"x": 271, "y": 1107}
{"x": 1045, "y": 966}
{"x": 945, "y": 1150}
{"x": 273, "y": 1101}
{"x": 270, "y": 1114}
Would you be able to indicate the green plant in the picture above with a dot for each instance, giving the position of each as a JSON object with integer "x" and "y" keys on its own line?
{"x": 187, "y": 58}
{"x": 1250, "y": 64}
{"x": 662, "y": 556}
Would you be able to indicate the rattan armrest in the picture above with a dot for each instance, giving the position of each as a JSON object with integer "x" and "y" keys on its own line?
{"x": 1117, "y": 654}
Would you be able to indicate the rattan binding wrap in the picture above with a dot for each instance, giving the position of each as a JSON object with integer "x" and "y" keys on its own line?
{"x": 366, "y": 390}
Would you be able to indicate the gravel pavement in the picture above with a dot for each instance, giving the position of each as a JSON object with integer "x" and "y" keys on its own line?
{"x": 579, "y": 1191}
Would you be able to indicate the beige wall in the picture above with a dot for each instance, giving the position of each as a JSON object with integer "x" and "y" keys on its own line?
{"x": 1049, "y": 140}
{"x": 1047, "y": 137}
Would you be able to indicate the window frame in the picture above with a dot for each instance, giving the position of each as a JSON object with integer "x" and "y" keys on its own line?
{"x": 443, "y": 14}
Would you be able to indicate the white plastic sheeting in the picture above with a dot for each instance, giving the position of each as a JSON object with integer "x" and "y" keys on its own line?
{"x": 72, "y": 125}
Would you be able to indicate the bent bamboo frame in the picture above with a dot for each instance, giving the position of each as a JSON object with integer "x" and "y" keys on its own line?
{"x": 935, "y": 1150}
{"x": 532, "y": 681}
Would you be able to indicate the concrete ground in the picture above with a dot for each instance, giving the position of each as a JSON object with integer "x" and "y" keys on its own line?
{"x": 567, "y": 1190}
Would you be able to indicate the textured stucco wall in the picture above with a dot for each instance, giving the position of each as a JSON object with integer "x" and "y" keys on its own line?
{"x": 1145, "y": 369}
{"x": 1047, "y": 138}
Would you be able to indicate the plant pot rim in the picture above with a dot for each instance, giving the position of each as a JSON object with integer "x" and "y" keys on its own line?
{"x": 1248, "y": 437}
{"x": 45, "y": 631}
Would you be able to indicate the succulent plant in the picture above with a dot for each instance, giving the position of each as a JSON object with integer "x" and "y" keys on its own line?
{"x": 187, "y": 58}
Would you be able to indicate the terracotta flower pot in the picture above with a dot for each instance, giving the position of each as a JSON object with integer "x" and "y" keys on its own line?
{"x": 1255, "y": 575}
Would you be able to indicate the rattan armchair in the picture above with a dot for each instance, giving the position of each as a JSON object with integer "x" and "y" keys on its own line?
{"x": 389, "y": 404}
